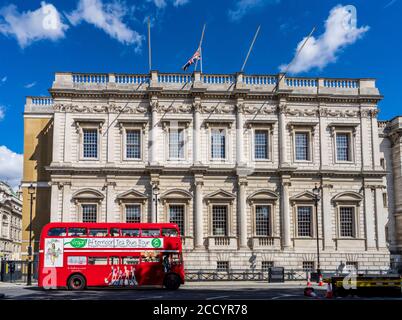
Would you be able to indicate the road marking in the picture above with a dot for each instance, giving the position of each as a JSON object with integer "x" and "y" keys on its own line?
{"x": 147, "y": 298}
{"x": 212, "y": 298}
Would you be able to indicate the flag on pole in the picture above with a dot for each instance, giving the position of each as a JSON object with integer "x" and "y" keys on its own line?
{"x": 196, "y": 56}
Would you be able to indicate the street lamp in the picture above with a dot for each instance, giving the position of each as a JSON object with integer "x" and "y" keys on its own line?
{"x": 156, "y": 193}
{"x": 31, "y": 191}
{"x": 316, "y": 192}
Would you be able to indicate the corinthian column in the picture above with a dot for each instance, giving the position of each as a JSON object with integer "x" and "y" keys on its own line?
{"x": 198, "y": 216}
{"x": 242, "y": 212}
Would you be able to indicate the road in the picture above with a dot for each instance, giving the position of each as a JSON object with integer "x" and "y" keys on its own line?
{"x": 207, "y": 291}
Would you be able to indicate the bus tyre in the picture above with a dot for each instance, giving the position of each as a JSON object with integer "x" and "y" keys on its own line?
{"x": 76, "y": 282}
{"x": 172, "y": 281}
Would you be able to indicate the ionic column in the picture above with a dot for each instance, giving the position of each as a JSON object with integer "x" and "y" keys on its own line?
{"x": 380, "y": 217}
{"x": 110, "y": 197}
{"x": 282, "y": 134}
{"x": 196, "y": 132}
{"x": 326, "y": 215}
{"x": 66, "y": 213}
{"x": 239, "y": 133}
{"x": 54, "y": 202}
{"x": 369, "y": 217}
{"x": 286, "y": 243}
{"x": 242, "y": 213}
{"x": 198, "y": 214}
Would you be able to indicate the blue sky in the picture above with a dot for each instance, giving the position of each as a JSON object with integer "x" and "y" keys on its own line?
{"x": 110, "y": 36}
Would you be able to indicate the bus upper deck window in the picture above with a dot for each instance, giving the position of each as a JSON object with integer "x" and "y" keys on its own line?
{"x": 150, "y": 232}
{"x": 130, "y": 232}
{"x": 114, "y": 232}
{"x": 57, "y": 232}
{"x": 169, "y": 232}
{"x": 98, "y": 232}
{"x": 77, "y": 232}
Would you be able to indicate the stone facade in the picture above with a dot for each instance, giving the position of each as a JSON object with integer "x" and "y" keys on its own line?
{"x": 232, "y": 187}
{"x": 10, "y": 218}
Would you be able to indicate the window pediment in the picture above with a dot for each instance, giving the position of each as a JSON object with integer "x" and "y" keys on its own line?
{"x": 263, "y": 195}
{"x": 220, "y": 195}
{"x": 176, "y": 194}
{"x": 306, "y": 196}
{"x": 131, "y": 196}
{"x": 347, "y": 196}
{"x": 88, "y": 194}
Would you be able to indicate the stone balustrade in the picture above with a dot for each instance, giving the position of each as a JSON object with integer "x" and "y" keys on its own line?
{"x": 265, "y": 83}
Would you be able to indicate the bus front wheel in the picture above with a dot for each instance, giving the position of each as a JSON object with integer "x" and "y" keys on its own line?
{"x": 76, "y": 282}
{"x": 172, "y": 281}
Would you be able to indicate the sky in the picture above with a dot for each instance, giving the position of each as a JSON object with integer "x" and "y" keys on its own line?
{"x": 357, "y": 39}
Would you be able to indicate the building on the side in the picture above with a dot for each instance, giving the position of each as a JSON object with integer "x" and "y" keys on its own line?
{"x": 10, "y": 219}
{"x": 232, "y": 159}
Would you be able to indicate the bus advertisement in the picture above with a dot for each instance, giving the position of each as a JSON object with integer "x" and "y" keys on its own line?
{"x": 81, "y": 255}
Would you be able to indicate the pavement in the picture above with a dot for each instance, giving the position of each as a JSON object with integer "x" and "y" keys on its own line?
{"x": 206, "y": 290}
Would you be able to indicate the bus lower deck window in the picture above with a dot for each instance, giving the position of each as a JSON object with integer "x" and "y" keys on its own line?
{"x": 77, "y": 232}
{"x": 130, "y": 232}
{"x": 130, "y": 260}
{"x": 150, "y": 257}
{"x": 57, "y": 232}
{"x": 113, "y": 260}
{"x": 98, "y": 232}
{"x": 150, "y": 232}
{"x": 99, "y": 261}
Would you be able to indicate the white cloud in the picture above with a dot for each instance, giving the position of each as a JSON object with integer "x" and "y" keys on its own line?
{"x": 30, "y": 26}
{"x": 10, "y": 166}
{"x": 2, "y": 112}
{"x": 107, "y": 17}
{"x": 4, "y": 79}
{"x": 161, "y": 4}
{"x": 178, "y": 3}
{"x": 392, "y": 2}
{"x": 340, "y": 31}
{"x": 30, "y": 85}
{"x": 242, "y": 7}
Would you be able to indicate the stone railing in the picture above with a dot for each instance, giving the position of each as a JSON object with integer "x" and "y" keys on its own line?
{"x": 211, "y": 82}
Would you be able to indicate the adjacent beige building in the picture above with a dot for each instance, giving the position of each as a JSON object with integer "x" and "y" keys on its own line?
{"x": 10, "y": 219}
{"x": 232, "y": 159}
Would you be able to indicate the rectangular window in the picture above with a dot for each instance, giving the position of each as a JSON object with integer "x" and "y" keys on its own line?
{"x": 130, "y": 232}
{"x": 114, "y": 232}
{"x": 308, "y": 266}
{"x": 222, "y": 266}
{"x": 262, "y": 220}
{"x": 302, "y": 146}
{"x": 176, "y": 143}
{"x": 261, "y": 144}
{"x": 150, "y": 256}
{"x": 265, "y": 265}
{"x": 219, "y": 220}
{"x": 97, "y": 232}
{"x": 89, "y": 212}
{"x": 346, "y": 221}
{"x": 382, "y": 163}
{"x": 218, "y": 144}
{"x": 133, "y": 144}
{"x": 114, "y": 261}
{"x": 90, "y": 143}
{"x": 343, "y": 147}
{"x": 57, "y": 232}
{"x": 151, "y": 232}
{"x": 304, "y": 221}
{"x": 133, "y": 213}
{"x": 99, "y": 261}
{"x": 130, "y": 260}
{"x": 77, "y": 232}
{"x": 169, "y": 232}
{"x": 76, "y": 260}
{"x": 176, "y": 215}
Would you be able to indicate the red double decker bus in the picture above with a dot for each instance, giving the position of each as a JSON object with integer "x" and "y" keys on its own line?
{"x": 81, "y": 255}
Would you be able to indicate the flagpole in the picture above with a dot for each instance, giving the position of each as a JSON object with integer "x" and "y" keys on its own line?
{"x": 251, "y": 48}
{"x": 199, "y": 48}
{"x": 149, "y": 45}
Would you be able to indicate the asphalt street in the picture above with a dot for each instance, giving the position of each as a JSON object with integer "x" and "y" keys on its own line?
{"x": 190, "y": 291}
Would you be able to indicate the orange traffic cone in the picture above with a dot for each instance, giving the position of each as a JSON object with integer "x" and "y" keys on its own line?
{"x": 329, "y": 294}
{"x": 308, "y": 279}
{"x": 320, "y": 283}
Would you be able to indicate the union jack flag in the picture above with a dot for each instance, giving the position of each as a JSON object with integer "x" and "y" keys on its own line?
{"x": 196, "y": 56}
